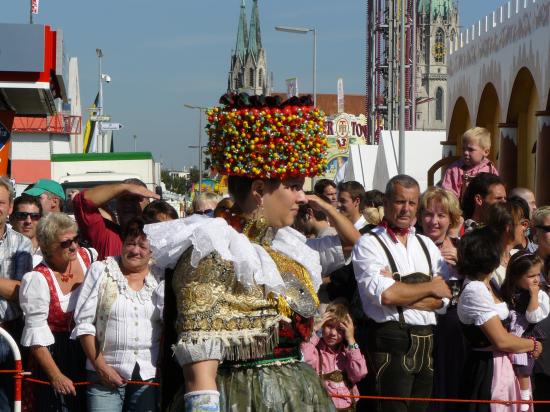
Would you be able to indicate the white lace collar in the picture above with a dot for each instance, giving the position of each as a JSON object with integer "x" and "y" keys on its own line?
{"x": 253, "y": 265}
{"x": 112, "y": 269}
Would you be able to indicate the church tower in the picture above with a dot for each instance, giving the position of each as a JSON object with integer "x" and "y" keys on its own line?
{"x": 437, "y": 23}
{"x": 248, "y": 71}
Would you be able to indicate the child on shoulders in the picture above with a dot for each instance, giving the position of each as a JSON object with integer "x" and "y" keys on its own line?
{"x": 476, "y": 145}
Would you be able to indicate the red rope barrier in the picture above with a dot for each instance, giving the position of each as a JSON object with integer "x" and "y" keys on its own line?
{"x": 41, "y": 382}
{"x": 19, "y": 374}
{"x": 442, "y": 400}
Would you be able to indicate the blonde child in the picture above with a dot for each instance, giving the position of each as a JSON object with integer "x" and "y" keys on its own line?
{"x": 528, "y": 305}
{"x": 476, "y": 145}
{"x": 335, "y": 356}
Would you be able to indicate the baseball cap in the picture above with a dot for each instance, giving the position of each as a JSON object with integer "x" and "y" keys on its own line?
{"x": 46, "y": 185}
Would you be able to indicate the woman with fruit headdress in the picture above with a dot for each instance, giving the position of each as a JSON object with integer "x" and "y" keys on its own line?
{"x": 245, "y": 284}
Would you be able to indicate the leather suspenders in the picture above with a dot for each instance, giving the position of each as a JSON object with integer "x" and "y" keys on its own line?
{"x": 395, "y": 272}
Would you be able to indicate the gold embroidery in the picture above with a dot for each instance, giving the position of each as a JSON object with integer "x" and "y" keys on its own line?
{"x": 290, "y": 266}
{"x": 213, "y": 305}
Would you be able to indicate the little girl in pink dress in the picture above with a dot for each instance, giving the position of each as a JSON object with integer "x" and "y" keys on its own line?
{"x": 335, "y": 356}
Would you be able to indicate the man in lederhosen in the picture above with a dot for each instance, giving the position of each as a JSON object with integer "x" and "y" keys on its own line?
{"x": 400, "y": 277}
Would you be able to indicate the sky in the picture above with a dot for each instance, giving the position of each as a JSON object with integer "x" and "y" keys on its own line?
{"x": 167, "y": 53}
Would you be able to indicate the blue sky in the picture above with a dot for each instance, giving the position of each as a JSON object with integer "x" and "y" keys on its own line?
{"x": 163, "y": 54}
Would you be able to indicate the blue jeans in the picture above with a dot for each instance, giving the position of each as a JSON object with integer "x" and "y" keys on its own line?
{"x": 125, "y": 398}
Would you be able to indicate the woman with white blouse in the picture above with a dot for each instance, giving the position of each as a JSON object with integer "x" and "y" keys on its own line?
{"x": 118, "y": 322}
{"x": 481, "y": 311}
{"x": 48, "y": 297}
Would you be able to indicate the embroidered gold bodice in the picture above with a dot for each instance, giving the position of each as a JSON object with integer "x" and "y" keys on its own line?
{"x": 212, "y": 304}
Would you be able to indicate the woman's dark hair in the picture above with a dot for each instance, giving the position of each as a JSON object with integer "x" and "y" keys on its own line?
{"x": 520, "y": 202}
{"x": 320, "y": 186}
{"x": 502, "y": 217}
{"x": 239, "y": 187}
{"x": 26, "y": 200}
{"x": 157, "y": 207}
{"x": 374, "y": 198}
{"x": 519, "y": 264}
{"x": 478, "y": 254}
{"x": 133, "y": 229}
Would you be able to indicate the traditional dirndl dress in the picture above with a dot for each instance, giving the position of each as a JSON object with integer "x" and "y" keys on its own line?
{"x": 66, "y": 353}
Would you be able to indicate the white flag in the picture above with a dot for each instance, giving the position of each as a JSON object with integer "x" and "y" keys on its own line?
{"x": 34, "y": 6}
{"x": 340, "y": 87}
{"x": 292, "y": 87}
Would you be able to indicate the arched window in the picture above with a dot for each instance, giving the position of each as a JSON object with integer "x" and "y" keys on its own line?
{"x": 439, "y": 47}
{"x": 439, "y": 104}
{"x": 453, "y": 35}
{"x": 251, "y": 74}
{"x": 260, "y": 78}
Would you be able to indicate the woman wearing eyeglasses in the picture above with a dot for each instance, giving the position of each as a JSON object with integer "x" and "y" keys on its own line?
{"x": 118, "y": 323}
{"x": 27, "y": 211}
{"x": 48, "y": 298}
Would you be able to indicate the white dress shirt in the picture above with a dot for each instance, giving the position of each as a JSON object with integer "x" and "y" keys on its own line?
{"x": 134, "y": 323}
{"x": 369, "y": 259}
{"x": 34, "y": 298}
{"x": 360, "y": 223}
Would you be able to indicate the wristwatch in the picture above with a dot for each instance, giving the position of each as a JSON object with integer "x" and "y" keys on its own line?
{"x": 354, "y": 346}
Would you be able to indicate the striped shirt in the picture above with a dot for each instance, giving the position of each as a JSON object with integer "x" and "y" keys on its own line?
{"x": 15, "y": 261}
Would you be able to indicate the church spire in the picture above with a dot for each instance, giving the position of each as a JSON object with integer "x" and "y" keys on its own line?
{"x": 255, "y": 36}
{"x": 242, "y": 35}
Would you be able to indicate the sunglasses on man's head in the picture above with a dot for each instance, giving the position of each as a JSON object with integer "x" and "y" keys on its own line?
{"x": 25, "y": 215}
{"x": 545, "y": 229}
{"x": 67, "y": 243}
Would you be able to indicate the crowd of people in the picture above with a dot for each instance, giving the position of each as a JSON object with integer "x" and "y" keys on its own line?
{"x": 273, "y": 299}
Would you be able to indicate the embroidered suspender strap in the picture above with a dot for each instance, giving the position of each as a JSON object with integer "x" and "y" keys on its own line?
{"x": 427, "y": 253}
{"x": 394, "y": 272}
{"x": 393, "y": 266}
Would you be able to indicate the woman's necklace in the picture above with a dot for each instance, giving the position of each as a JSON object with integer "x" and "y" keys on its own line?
{"x": 68, "y": 274}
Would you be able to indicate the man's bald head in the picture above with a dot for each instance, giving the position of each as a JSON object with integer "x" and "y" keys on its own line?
{"x": 527, "y": 195}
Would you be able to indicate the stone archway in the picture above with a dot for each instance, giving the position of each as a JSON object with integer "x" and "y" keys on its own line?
{"x": 524, "y": 103}
{"x": 460, "y": 122}
{"x": 488, "y": 116}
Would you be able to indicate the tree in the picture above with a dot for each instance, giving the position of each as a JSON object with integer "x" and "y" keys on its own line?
{"x": 175, "y": 183}
{"x": 194, "y": 175}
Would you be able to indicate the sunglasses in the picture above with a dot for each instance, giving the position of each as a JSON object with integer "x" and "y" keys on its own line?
{"x": 205, "y": 212}
{"x": 66, "y": 243}
{"x": 545, "y": 229}
{"x": 25, "y": 215}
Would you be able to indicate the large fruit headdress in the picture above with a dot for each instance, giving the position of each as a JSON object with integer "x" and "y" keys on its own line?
{"x": 262, "y": 137}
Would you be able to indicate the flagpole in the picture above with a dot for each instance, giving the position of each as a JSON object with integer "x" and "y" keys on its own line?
{"x": 30, "y": 12}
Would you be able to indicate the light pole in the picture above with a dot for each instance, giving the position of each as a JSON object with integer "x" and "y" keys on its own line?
{"x": 402, "y": 64}
{"x": 305, "y": 30}
{"x": 135, "y": 143}
{"x": 200, "y": 109}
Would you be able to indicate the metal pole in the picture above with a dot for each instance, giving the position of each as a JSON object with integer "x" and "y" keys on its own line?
{"x": 135, "y": 143}
{"x": 100, "y": 142}
{"x": 30, "y": 13}
{"x": 315, "y": 67}
{"x": 402, "y": 91}
{"x": 200, "y": 149}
